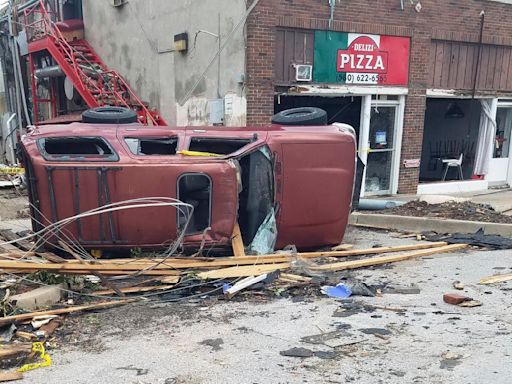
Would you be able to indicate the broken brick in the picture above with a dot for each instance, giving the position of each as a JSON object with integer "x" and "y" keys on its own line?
{"x": 455, "y": 298}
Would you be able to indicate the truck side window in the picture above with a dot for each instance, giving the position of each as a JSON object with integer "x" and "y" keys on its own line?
{"x": 195, "y": 189}
{"x": 76, "y": 148}
{"x": 219, "y": 146}
{"x": 143, "y": 146}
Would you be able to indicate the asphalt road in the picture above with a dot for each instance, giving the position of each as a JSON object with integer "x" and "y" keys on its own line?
{"x": 240, "y": 342}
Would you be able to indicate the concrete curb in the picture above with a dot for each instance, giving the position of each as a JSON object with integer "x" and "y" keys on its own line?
{"x": 422, "y": 224}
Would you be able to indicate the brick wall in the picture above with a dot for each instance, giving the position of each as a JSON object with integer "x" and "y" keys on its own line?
{"x": 460, "y": 19}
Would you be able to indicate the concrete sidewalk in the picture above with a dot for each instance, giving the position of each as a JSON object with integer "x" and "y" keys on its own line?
{"x": 500, "y": 200}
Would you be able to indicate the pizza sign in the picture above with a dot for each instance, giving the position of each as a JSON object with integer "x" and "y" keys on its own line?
{"x": 351, "y": 58}
{"x": 363, "y": 55}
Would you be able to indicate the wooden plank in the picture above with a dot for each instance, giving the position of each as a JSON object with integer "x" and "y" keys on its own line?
{"x": 244, "y": 271}
{"x": 505, "y": 64}
{"x": 496, "y": 279}
{"x": 491, "y": 68}
{"x": 62, "y": 311}
{"x": 469, "y": 75}
{"x": 438, "y": 70}
{"x": 462, "y": 66}
{"x": 110, "y": 268}
{"x": 298, "y": 278}
{"x": 12, "y": 350}
{"x": 453, "y": 66}
{"x": 498, "y": 68}
{"x": 386, "y": 259}
{"x": 10, "y": 376}
{"x": 133, "y": 290}
{"x": 342, "y": 247}
{"x": 89, "y": 268}
{"x": 237, "y": 242}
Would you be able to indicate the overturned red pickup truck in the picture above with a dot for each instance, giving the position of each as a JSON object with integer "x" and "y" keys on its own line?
{"x": 299, "y": 177}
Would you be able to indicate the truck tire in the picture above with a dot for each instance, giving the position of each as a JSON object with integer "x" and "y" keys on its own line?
{"x": 109, "y": 115}
{"x": 301, "y": 116}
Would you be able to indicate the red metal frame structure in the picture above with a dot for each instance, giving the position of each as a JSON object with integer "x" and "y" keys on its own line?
{"x": 91, "y": 78}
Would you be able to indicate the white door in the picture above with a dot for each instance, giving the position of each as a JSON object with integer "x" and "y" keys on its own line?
{"x": 380, "y": 143}
{"x": 499, "y": 165}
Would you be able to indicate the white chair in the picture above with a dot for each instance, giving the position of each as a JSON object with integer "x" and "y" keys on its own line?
{"x": 457, "y": 163}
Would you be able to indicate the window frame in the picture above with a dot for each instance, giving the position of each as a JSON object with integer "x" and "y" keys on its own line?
{"x": 149, "y": 138}
{"x": 210, "y": 200}
{"x": 219, "y": 139}
{"x": 70, "y": 158}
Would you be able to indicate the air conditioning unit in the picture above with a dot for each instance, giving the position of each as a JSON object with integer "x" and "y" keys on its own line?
{"x": 303, "y": 72}
{"x": 117, "y": 3}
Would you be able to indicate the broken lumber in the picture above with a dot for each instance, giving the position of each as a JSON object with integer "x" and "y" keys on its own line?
{"x": 297, "y": 278}
{"x": 237, "y": 242}
{"x": 133, "y": 290}
{"x": 9, "y": 351}
{"x": 10, "y": 376}
{"x": 63, "y": 311}
{"x": 496, "y": 279}
{"x": 243, "y": 271}
{"x": 198, "y": 262}
{"x": 342, "y": 247}
{"x": 98, "y": 274}
{"x": 387, "y": 259}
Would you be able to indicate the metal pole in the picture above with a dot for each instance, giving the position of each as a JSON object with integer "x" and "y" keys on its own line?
{"x": 13, "y": 53}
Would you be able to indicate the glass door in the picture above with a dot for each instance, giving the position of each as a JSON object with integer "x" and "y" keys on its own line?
{"x": 499, "y": 166}
{"x": 379, "y": 144}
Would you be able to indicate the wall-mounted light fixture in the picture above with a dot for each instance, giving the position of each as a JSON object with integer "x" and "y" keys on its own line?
{"x": 181, "y": 42}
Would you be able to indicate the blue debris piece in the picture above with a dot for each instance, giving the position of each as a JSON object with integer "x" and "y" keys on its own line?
{"x": 340, "y": 291}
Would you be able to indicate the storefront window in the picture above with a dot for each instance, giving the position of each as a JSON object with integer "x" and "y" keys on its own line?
{"x": 503, "y": 130}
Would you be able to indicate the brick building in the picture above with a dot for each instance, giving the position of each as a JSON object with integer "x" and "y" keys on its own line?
{"x": 438, "y": 92}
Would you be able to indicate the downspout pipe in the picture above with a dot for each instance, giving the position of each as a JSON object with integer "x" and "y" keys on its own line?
{"x": 377, "y": 204}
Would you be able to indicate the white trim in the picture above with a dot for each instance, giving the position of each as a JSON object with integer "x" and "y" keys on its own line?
{"x": 454, "y": 94}
{"x": 441, "y": 188}
{"x": 337, "y": 90}
{"x": 364, "y": 135}
{"x": 395, "y": 168}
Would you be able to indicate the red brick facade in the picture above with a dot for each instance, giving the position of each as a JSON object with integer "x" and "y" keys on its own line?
{"x": 436, "y": 18}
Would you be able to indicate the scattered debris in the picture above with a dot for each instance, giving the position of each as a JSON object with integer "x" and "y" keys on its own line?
{"x": 340, "y": 291}
{"x": 455, "y": 298}
{"x": 28, "y": 316}
{"x": 496, "y": 279}
{"x": 450, "y": 360}
{"x": 342, "y": 247}
{"x": 242, "y": 284}
{"x": 322, "y": 338}
{"x": 470, "y": 303}
{"x": 140, "y": 371}
{"x": 297, "y": 352}
{"x": 412, "y": 290}
{"x": 8, "y": 333}
{"x": 478, "y": 239}
{"x": 376, "y": 331}
{"x": 450, "y": 210}
{"x": 214, "y": 343}
{"x": 458, "y": 285}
